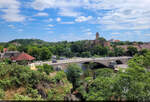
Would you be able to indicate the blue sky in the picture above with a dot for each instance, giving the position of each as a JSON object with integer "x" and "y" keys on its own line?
{"x": 71, "y": 20}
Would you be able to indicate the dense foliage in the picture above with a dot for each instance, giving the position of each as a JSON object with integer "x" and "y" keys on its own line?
{"x": 73, "y": 75}
{"x": 21, "y": 83}
{"x": 132, "y": 83}
{"x": 44, "y": 50}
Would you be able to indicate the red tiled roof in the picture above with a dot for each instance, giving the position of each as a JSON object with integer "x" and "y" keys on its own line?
{"x": 5, "y": 49}
{"x": 23, "y": 56}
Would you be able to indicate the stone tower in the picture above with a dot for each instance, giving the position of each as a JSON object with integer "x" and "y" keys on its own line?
{"x": 97, "y": 36}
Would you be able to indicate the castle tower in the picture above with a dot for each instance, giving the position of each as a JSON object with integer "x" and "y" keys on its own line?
{"x": 97, "y": 36}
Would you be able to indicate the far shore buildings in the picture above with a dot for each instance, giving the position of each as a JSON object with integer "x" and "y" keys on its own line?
{"x": 16, "y": 56}
{"x": 100, "y": 41}
{"x": 104, "y": 43}
{"x": 113, "y": 40}
{"x": 138, "y": 46}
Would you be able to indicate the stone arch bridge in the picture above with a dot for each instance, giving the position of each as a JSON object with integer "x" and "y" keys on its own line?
{"x": 105, "y": 61}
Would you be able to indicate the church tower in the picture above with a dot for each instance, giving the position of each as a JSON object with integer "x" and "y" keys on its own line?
{"x": 97, "y": 36}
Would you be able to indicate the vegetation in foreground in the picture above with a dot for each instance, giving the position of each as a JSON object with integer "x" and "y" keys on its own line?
{"x": 20, "y": 83}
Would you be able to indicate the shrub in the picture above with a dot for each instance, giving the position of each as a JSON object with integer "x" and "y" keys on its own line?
{"x": 48, "y": 68}
{"x": 59, "y": 76}
{"x": 45, "y": 68}
{"x": 2, "y": 93}
{"x": 21, "y": 97}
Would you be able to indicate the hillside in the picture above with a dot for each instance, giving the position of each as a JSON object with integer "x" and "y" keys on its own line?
{"x": 29, "y": 41}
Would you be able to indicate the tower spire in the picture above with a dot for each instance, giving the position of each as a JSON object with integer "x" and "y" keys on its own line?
{"x": 97, "y": 35}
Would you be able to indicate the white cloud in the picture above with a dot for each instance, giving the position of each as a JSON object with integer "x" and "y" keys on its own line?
{"x": 87, "y": 31}
{"x": 58, "y": 19}
{"x": 50, "y": 25}
{"x": 67, "y": 22}
{"x": 116, "y": 33}
{"x": 83, "y": 18}
{"x": 42, "y": 14}
{"x": 48, "y": 20}
{"x": 11, "y": 26}
{"x": 11, "y": 11}
{"x": 44, "y": 4}
{"x": 66, "y": 7}
{"x": 68, "y": 12}
{"x": 31, "y": 19}
{"x": 118, "y": 15}
{"x": 123, "y": 15}
{"x": 147, "y": 35}
{"x": 20, "y": 30}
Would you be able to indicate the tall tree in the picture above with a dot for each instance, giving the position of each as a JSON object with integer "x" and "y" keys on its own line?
{"x": 73, "y": 74}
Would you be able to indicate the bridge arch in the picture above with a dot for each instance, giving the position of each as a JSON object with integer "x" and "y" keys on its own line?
{"x": 96, "y": 64}
{"x": 119, "y": 62}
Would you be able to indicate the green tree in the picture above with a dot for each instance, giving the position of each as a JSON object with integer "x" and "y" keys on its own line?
{"x": 34, "y": 51}
{"x": 73, "y": 75}
{"x": 12, "y": 48}
{"x": 45, "y": 54}
{"x": 86, "y": 54}
{"x": 132, "y": 51}
{"x": 143, "y": 51}
{"x": 1, "y": 48}
{"x": 99, "y": 50}
{"x": 119, "y": 51}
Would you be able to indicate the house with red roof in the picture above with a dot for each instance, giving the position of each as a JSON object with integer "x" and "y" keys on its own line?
{"x": 22, "y": 57}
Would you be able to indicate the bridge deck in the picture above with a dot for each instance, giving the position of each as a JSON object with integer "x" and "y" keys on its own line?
{"x": 80, "y": 60}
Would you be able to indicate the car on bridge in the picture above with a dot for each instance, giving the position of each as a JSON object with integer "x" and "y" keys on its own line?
{"x": 63, "y": 58}
{"x": 54, "y": 61}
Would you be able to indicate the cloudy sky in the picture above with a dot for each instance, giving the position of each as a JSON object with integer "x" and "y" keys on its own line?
{"x": 58, "y": 20}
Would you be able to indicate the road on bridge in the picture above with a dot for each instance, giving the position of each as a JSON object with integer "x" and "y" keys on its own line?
{"x": 78, "y": 60}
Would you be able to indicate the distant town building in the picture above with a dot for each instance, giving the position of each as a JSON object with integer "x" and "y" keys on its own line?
{"x": 16, "y": 55}
{"x": 138, "y": 46}
{"x": 22, "y": 57}
{"x": 99, "y": 41}
{"x": 113, "y": 40}
{"x": 9, "y": 54}
{"x": 117, "y": 41}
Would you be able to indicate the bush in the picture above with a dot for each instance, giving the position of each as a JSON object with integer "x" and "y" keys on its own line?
{"x": 5, "y": 83}
{"x": 2, "y": 93}
{"x": 45, "y": 68}
{"x": 33, "y": 93}
{"x": 21, "y": 97}
{"x": 50, "y": 94}
{"x": 59, "y": 76}
{"x": 48, "y": 68}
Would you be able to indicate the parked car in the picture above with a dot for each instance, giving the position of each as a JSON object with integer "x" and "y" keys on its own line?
{"x": 54, "y": 61}
{"x": 54, "y": 57}
{"x": 62, "y": 58}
